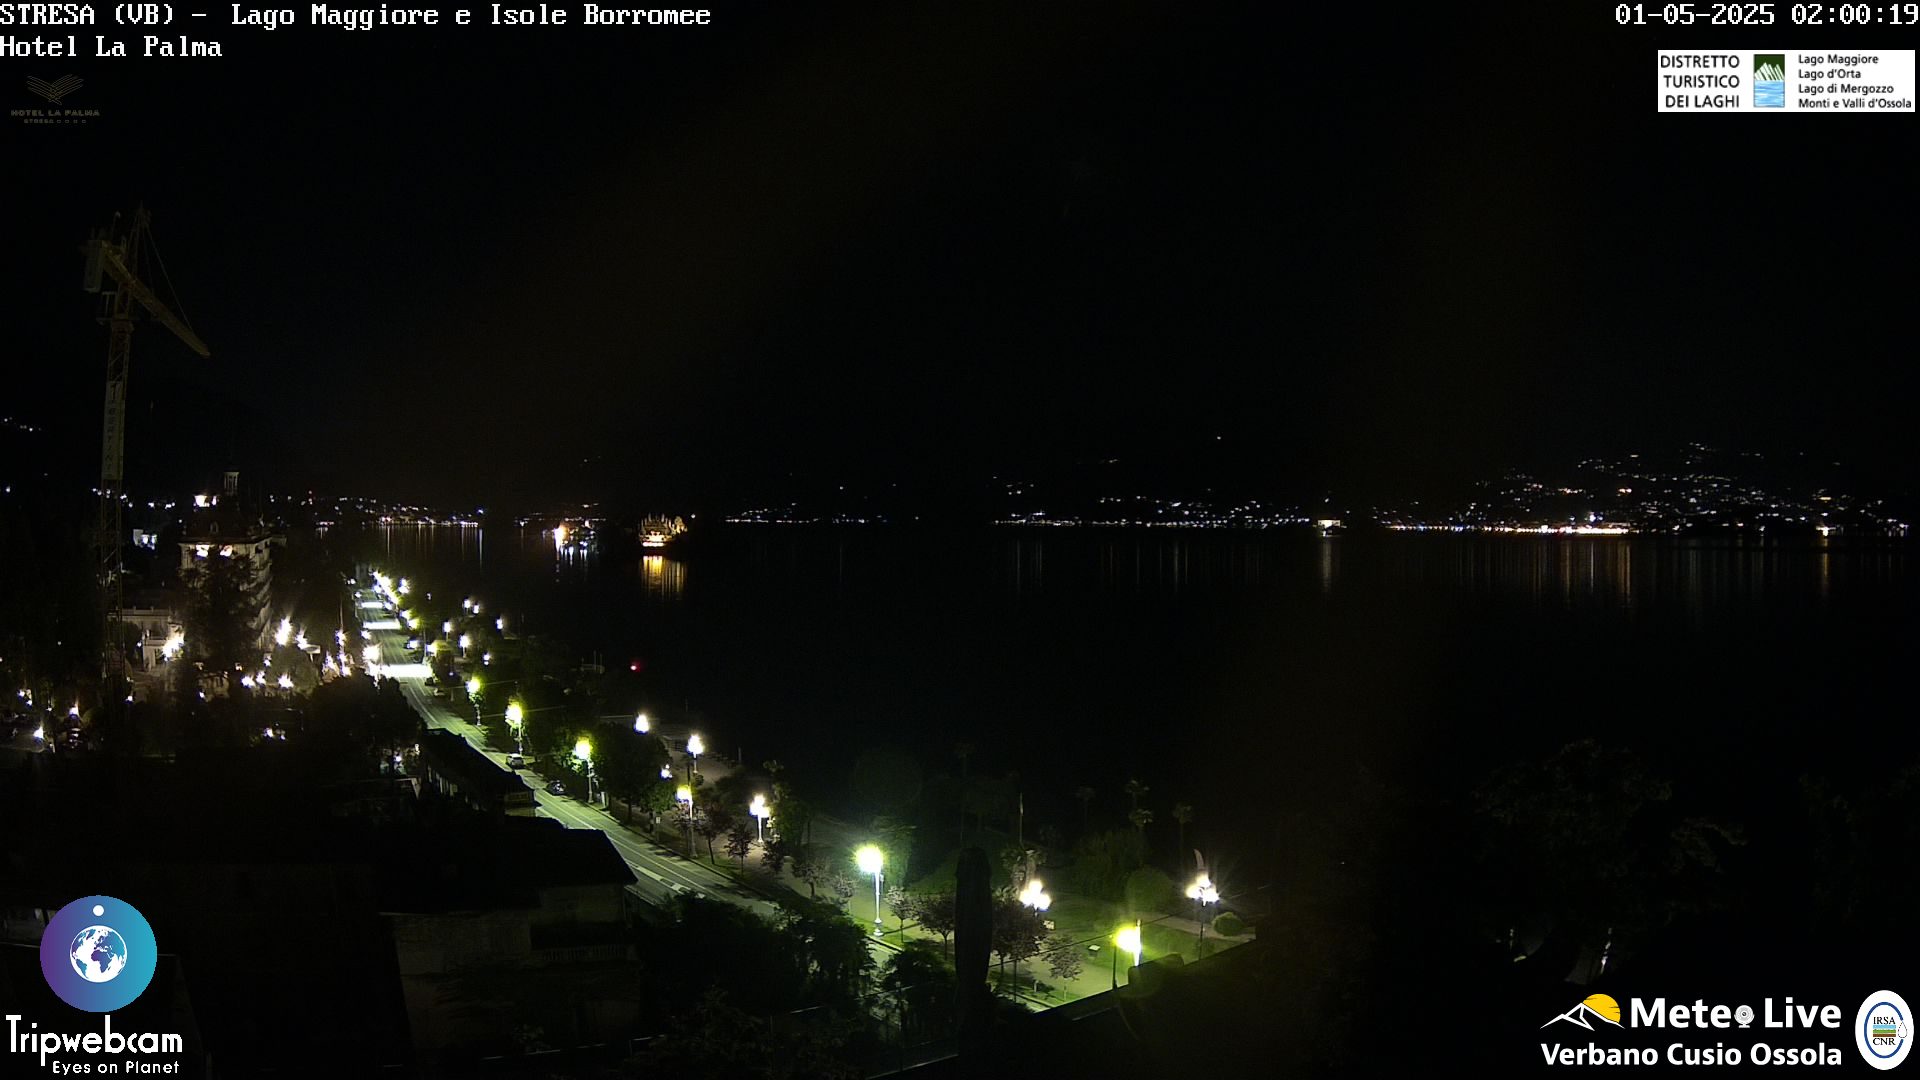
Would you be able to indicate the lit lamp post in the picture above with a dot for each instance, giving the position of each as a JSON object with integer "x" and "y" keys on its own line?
{"x": 641, "y": 724}
{"x": 870, "y": 860}
{"x": 1202, "y": 893}
{"x": 694, "y": 749}
{"x": 1034, "y": 895}
{"x": 583, "y": 753}
{"x": 1127, "y": 938}
{"x": 684, "y": 796}
{"x": 515, "y": 717}
{"x": 466, "y": 641}
{"x": 761, "y": 812}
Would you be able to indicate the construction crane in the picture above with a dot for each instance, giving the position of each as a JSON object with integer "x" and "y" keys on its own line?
{"x": 114, "y": 252}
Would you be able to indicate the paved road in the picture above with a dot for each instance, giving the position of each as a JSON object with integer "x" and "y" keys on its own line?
{"x": 662, "y": 874}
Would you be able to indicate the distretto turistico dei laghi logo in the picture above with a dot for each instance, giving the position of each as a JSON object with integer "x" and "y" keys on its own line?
{"x": 98, "y": 954}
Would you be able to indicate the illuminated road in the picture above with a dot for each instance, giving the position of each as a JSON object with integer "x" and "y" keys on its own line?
{"x": 662, "y": 874}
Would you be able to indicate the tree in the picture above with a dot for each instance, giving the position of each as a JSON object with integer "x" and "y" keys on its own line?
{"x": 1102, "y": 861}
{"x": 806, "y": 867}
{"x": 774, "y": 854}
{"x": 921, "y": 985}
{"x": 841, "y": 886}
{"x": 1065, "y": 960}
{"x": 901, "y": 903}
{"x": 1018, "y": 862}
{"x": 1141, "y": 817}
{"x": 1018, "y": 930}
{"x": 935, "y": 912}
{"x": 739, "y": 842}
{"x": 1085, "y": 795}
{"x": 1135, "y": 789}
{"x": 628, "y": 763}
{"x": 221, "y": 605}
{"x": 710, "y": 822}
{"x": 1150, "y": 889}
{"x": 1182, "y": 817}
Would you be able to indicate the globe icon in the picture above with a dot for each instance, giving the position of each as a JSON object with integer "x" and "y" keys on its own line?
{"x": 98, "y": 954}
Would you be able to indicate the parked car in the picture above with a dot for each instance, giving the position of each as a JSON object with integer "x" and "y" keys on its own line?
{"x": 557, "y": 787}
{"x": 515, "y": 761}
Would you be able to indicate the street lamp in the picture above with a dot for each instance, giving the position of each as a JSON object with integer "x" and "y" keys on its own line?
{"x": 1202, "y": 893}
{"x": 1034, "y": 895}
{"x": 870, "y": 860}
{"x": 466, "y": 640}
{"x": 641, "y": 724}
{"x": 515, "y": 714}
{"x": 447, "y": 627}
{"x": 684, "y": 796}
{"x": 1127, "y": 938}
{"x": 473, "y": 685}
{"x": 694, "y": 749}
{"x": 583, "y": 752}
{"x": 761, "y": 812}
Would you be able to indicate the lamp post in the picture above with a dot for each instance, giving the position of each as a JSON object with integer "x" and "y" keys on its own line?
{"x": 466, "y": 642}
{"x": 641, "y": 724}
{"x": 695, "y": 747}
{"x": 1202, "y": 893}
{"x": 1034, "y": 895}
{"x": 761, "y": 812}
{"x": 684, "y": 796}
{"x": 515, "y": 716}
{"x": 583, "y": 753}
{"x": 1127, "y": 938}
{"x": 870, "y": 860}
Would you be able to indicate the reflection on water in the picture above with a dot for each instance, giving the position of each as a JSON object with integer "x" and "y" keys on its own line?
{"x": 666, "y": 578}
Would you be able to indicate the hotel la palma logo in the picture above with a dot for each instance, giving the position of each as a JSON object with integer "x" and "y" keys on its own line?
{"x": 1794, "y": 1033}
{"x": 98, "y": 955}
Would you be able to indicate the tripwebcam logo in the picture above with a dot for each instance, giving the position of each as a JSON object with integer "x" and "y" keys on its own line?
{"x": 98, "y": 954}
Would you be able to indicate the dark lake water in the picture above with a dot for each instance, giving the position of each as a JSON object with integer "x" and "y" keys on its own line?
{"x": 1260, "y": 677}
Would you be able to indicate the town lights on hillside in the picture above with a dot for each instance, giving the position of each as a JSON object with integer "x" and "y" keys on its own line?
{"x": 559, "y": 536}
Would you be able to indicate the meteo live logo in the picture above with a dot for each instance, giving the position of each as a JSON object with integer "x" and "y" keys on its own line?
{"x": 98, "y": 954}
{"x": 1699, "y": 1033}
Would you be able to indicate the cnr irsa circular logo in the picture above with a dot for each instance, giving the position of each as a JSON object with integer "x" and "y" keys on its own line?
{"x": 1883, "y": 1029}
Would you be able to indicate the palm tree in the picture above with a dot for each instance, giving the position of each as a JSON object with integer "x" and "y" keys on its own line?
{"x": 1135, "y": 789}
{"x": 1085, "y": 795}
{"x": 1141, "y": 818}
{"x": 1182, "y": 817}
{"x": 774, "y": 769}
{"x": 963, "y": 751}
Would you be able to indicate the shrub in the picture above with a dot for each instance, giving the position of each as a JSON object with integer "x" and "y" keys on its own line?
{"x": 1227, "y": 924}
{"x": 1150, "y": 889}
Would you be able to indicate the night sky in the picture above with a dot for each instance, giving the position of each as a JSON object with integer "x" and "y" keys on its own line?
{"x": 1364, "y": 249}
